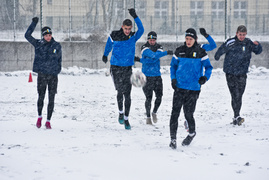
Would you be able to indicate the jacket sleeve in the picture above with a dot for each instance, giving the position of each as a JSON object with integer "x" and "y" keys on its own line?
{"x": 212, "y": 44}
{"x": 208, "y": 67}
{"x": 109, "y": 45}
{"x": 173, "y": 67}
{"x": 220, "y": 51}
{"x": 153, "y": 55}
{"x": 257, "y": 49}
{"x": 28, "y": 34}
{"x": 60, "y": 59}
{"x": 140, "y": 30}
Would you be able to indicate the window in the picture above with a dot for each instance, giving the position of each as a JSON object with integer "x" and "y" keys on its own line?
{"x": 218, "y": 9}
{"x": 161, "y": 9}
{"x": 141, "y": 8}
{"x": 197, "y": 8}
{"x": 49, "y": 1}
{"x": 49, "y": 21}
{"x": 240, "y": 9}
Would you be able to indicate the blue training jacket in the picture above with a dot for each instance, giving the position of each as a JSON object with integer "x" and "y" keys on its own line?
{"x": 188, "y": 65}
{"x": 48, "y": 55}
{"x": 238, "y": 55}
{"x": 123, "y": 46}
{"x": 151, "y": 59}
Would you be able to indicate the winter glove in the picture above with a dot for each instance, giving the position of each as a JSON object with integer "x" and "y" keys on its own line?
{"x": 132, "y": 13}
{"x": 202, "y": 80}
{"x": 203, "y": 32}
{"x": 35, "y": 20}
{"x": 104, "y": 59}
{"x": 169, "y": 52}
{"x": 137, "y": 59}
{"x": 174, "y": 84}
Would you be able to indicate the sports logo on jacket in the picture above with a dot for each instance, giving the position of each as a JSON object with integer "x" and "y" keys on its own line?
{"x": 194, "y": 54}
{"x": 54, "y": 51}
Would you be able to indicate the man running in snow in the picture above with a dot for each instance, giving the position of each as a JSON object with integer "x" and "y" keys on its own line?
{"x": 208, "y": 47}
{"x": 123, "y": 44}
{"x": 236, "y": 63}
{"x": 47, "y": 63}
{"x": 187, "y": 75}
{"x": 151, "y": 53}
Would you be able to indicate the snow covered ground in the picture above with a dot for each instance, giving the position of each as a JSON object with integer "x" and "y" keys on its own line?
{"x": 87, "y": 142}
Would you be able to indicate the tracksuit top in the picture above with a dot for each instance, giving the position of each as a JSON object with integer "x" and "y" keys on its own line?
{"x": 48, "y": 55}
{"x": 123, "y": 46}
{"x": 151, "y": 59}
{"x": 238, "y": 55}
{"x": 188, "y": 65}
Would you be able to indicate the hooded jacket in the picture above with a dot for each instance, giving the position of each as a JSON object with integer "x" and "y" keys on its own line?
{"x": 48, "y": 55}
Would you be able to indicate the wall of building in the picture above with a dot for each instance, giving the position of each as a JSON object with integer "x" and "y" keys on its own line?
{"x": 16, "y": 56}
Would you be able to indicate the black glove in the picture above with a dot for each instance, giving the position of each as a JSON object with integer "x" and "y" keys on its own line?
{"x": 35, "y": 20}
{"x": 137, "y": 59}
{"x": 132, "y": 13}
{"x": 203, "y": 32}
{"x": 104, "y": 59}
{"x": 169, "y": 52}
{"x": 174, "y": 84}
{"x": 202, "y": 80}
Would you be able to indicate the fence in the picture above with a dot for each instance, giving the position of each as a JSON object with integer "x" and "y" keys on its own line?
{"x": 92, "y": 20}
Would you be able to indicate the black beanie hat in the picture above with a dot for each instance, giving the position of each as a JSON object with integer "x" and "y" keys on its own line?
{"x": 46, "y": 30}
{"x": 191, "y": 32}
{"x": 152, "y": 35}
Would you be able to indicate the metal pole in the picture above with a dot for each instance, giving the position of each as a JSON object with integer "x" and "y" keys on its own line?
{"x": 225, "y": 21}
{"x": 134, "y": 8}
{"x": 124, "y": 9}
{"x": 230, "y": 19}
{"x": 69, "y": 20}
{"x": 41, "y": 17}
{"x": 176, "y": 21}
{"x": 14, "y": 19}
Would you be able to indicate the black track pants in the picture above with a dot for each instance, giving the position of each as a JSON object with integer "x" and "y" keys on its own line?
{"x": 44, "y": 81}
{"x": 121, "y": 78}
{"x": 237, "y": 85}
{"x": 154, "y": 84}
{"x": 187, "y": 99}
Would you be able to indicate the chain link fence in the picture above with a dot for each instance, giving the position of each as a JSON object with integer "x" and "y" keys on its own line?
{"x": 93, "y": 20}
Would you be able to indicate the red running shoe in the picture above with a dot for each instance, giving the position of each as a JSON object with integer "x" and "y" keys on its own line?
{"x": 38, "y": 123}
{"x": 48, "y": 125}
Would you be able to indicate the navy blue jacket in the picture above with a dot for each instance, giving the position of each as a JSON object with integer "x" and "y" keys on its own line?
{"x": 123, "y": 46}
{"x": 188, "y": 65}
{"x": 238, "y": 55}
{"x": 48, "y": 55}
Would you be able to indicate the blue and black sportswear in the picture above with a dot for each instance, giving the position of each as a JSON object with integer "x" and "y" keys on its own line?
{"x": 123, "y": 46}
{"x": 188, "y": 65}
{"x": 151, "y": 59}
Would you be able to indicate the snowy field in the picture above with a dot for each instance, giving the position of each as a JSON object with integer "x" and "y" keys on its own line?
{"x": 87, "y": 142}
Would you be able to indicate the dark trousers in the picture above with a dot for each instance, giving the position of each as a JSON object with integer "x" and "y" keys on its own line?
{"x": 44, "y": 81}
{"x": 121, "y": 78}
{"x": 237, "y": 85}
{"x": 187, "y": 99}
{"x": 154, "y": 84}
